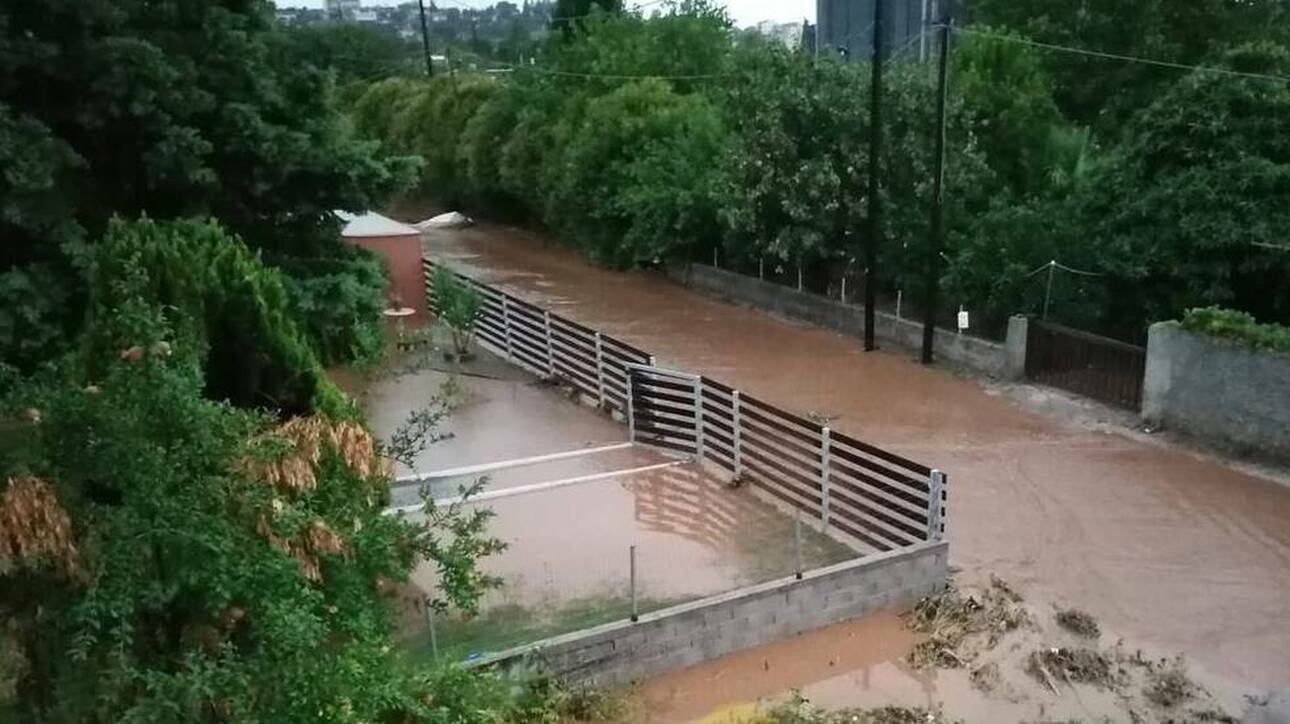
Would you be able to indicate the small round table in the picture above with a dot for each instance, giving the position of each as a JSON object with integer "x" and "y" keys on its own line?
{"x": 398, "y": 314}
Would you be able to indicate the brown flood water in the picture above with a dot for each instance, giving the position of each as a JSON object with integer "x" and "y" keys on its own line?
{"x": 1173, "y": 551}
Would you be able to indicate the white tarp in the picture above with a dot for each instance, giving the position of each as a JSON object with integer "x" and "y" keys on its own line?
{"x": 450, "y": 220}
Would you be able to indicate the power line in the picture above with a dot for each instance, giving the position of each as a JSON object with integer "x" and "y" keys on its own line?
{"x": 1058, "y": 265}
{"x": 1125, "y": 58}
{"x": 613, "y": 76}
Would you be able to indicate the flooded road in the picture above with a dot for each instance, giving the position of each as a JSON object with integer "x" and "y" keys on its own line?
{"x": 1175, "y": 551}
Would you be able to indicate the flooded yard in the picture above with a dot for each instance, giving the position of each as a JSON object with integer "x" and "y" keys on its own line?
{"x": 570, "y": 523}
{"x": 1177, "y": 552}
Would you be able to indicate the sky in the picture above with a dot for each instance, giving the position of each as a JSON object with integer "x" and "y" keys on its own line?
{"x": 744, "y": 12}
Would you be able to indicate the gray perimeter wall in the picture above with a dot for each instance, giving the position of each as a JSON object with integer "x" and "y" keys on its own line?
{"x": 971, "y": 352}
{"x": 1215, "y": 390}
{"x": 680, "y": 636}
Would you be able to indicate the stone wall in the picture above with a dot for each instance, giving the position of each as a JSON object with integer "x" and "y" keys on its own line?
{"x": 977, "y": 354}
{"x": 1218, "y": 391}
{"x": 684, "y": 635}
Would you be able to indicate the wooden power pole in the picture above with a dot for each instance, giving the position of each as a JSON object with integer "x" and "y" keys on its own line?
{"x": 875, "y": 196}
{"x": 937, "y": 239}
{"x": 425, "y": 39}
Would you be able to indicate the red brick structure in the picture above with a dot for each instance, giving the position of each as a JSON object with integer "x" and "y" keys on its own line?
{"x": 400, "y": 246}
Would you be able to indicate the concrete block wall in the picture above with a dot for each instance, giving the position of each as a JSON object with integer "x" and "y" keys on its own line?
{"x": 978, "y": 354}
{"x": 687, "y": 634}
{"x": 1218, "y": 391}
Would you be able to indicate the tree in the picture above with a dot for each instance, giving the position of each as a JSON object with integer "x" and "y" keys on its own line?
{"x": 635, "y": 179}
{"x": 1104, "y": 92}
{"x": 356, "y": 51}
{"x": 165, "y": 556}
{"x": 567, "y": 15}
{"x": 1190, "y": 209}
{"x": 170, "y": 108}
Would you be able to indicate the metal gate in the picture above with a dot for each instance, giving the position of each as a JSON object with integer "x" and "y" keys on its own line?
{"x": 1088, "y": 364}
{"x": 664, "y": 408}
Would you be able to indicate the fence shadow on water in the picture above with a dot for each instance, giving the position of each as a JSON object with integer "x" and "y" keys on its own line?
{"x": 569, "y": 562}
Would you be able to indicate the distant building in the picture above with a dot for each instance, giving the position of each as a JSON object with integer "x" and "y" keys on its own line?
{"x": 790, "y": 34}
{"x": 346, "y": 9}
{"x": 846, "y": 26}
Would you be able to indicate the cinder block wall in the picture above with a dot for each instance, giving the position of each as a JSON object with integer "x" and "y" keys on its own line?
{"x": 974, "y": 353}
{"x": 1218, "y": 391}
{"x": 680, "y": 636}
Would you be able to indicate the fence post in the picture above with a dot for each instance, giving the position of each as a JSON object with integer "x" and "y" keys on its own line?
{"x": 936, "y": 506}
{"x": 550, "y": 350}
{"x": 627, "y": 393}
{"x": 632, "y": 556}
{"x": 506, "y": 326}
{"x": 434, "y": 638}
{"x": 735, "y": 435}
{"x": 698, "y": 418}
{"x": 825, "y": 444}
{"x": 797, "y": 543}
{"x": 600, "y": 371}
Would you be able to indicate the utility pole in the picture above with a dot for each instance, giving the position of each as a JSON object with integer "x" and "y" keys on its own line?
{"x": 875, "y": 197}
{"x": 938, "y": 201}
{"x": 425, "y": 38}
{"x": 922, "y": 34}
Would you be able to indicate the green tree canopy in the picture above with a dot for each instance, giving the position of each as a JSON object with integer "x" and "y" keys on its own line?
{"x": 170, "y": 108}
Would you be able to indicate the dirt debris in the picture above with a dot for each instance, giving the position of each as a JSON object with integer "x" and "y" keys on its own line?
{"x": 1169, "y": 686}
{"x": 1072, "y": 665}
{"x": 1078, "y": 622}
{"x": 799, "y": 710}
{"x": 959, "y": 627}
{"x": 986, "y": 677}
{"x": 965, "y": 628}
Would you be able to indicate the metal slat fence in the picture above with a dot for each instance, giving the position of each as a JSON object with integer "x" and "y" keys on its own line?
{"x": 874, "y": 496}
{"x": 548, "y": 344}
{"x": 878, "y": 498}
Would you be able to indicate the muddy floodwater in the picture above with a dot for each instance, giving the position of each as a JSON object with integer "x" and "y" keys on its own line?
{"x": 1173, "y": 550}
{"x": 570, "y": 530}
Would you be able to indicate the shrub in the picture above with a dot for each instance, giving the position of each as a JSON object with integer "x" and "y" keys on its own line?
{"x": 1237, "y": 326}
{"x": 459, "y": 304}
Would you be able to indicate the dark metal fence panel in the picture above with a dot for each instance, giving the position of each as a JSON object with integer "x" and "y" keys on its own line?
{"x": 881, "y": 499}
{"x": 663, "y": 408}
{"x": 1088, "y": 364}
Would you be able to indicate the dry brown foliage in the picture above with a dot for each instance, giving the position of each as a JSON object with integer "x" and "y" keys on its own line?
{"x": 34, "y": 526}
{"x": 959, "y": 626}
{"x": 315, "y": 540}
{"x": 293, "y": 468}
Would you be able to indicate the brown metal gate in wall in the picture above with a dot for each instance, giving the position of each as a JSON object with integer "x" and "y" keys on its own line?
{"x": 1088, "y": 364}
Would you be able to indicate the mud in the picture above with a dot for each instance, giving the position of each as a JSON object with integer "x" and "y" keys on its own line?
{"x": 1177, "y": 552}
{"x": 992, "y": 672}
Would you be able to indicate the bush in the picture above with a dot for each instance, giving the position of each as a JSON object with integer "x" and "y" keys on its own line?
{"x": 1237, "y": 326}
{"x": 459, "y": 304}
{"x": 339, "y": 303}
{"x": 234, "y": 310}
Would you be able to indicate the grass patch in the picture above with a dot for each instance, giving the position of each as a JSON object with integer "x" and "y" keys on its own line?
{"x": 510, "y": 625}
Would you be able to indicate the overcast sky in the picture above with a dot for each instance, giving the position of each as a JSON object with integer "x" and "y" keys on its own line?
{"x": 744, "y": 12}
